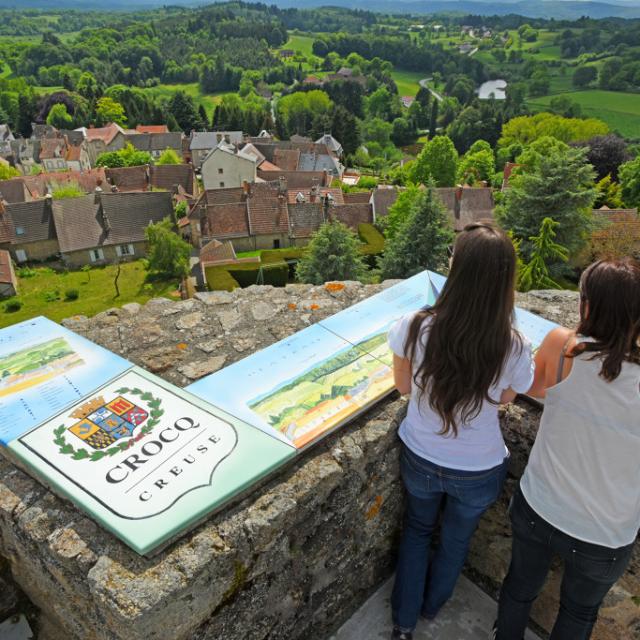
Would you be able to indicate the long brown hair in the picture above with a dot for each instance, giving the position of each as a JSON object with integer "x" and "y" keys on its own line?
{"x": 610, "y": 314}
{"x": 470, "y": 333}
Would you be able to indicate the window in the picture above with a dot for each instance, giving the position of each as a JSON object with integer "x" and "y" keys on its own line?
{"x": 96, "y": 255}
{"x": 220, "y": 171}
{"x": 222, "y": 185}
{"x": 276, "y": 244}
{"x": 125, "y": 250}
{"x": 19, "y": 231}
{"x": 21, "y": 255}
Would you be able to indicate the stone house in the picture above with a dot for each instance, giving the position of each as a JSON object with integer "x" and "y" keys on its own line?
{"x": 78, "y": 158}
{"x": 152, "y": 128}
{"x": 157, "y": 143}
{"x": 301, "y": 156}
{"x": 202, "y": 143}
{"x": 8, "y": 280}
{"x": 27, "y": 230}
{"x": 6, "y": 138}
{"x": 295, "y": 179}
{"x": 106, "y": 227}
{"x": 170, "y": 177}
{"x": 331, "y": 143}
{"x": 53, "y": 154}
{"x": 27, "y": 188}
{"x": 26, "y": 153}
{"x": 224, "y": 167}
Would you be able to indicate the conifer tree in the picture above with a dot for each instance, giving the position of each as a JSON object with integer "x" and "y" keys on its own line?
{"x": 535, "y": 274}
{"x": 557, "y": 185}
{"x": 332, "y": 254}
{"x": 422, "y": 240}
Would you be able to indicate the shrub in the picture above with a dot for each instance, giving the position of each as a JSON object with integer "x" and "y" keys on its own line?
{"x": 368, "y": 182}
{"x": 12, "y": 306}
{"x": 26, "y": 272}
{"x": 71, "y": 294}
{"x": 52, "y": 296}
{"x": 276, "y": 274}
{"x": 219, "y": 279}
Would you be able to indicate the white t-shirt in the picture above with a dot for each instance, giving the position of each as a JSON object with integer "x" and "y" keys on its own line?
{"x": 479, "y": 444}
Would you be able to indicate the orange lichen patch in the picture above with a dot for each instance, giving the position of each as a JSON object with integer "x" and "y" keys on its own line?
{"x": 313, "y": 307}
{"x": 292, "y": 306}
{"x": 334, "y": 286}
{"x": 175, "y": 294}
{"x": 373, "y": 511}
{"x": 182, "y": 346}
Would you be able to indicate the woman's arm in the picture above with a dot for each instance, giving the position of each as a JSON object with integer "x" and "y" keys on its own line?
{"x": 402, "y": 374}
{"x": 547, "y": 360}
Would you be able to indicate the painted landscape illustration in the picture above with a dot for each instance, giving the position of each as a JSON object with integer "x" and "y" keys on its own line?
{"x": 329, "y": 393}
{"x": 34, "y": 365}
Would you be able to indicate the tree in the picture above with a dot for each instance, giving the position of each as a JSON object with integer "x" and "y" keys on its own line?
{"x": 609, "y": 194}
{"x": 87, "y": 86}
{"x": 168, "y": 254}
{"x": 606, "y": 154}
{"x": 59, "y": 117}
{"x": 400, "y": 210}
{"x": 7, "y": 171}
{"x": 565, "y": 106}
{"x": 433, "y": 120}
{"x": 127, "y": 157}
{"x": 108, "y": 110}
{"x": 422, "y": 240}
{"x": 183, "y": 109}
{"x": 169, "y": 156}
{"x": 630, "y": 181}
{"x": 332, "y": 254}
{"x": 438, "y": 160}
{"x": 535, "y": 273}
{"x": 345, "y": 128}
{"x": 476, "y": 167}
{"x": 557, "y": 185}
{"x": 404, "y": 132}
{"x": 584, "y": 76}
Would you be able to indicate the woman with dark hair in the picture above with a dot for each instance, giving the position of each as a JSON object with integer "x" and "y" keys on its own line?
{"x": 579, "y": 497}
{"x": 459, "y": 360}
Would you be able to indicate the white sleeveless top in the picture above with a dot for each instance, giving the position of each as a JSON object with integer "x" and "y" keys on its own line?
{"x": 583, "y": 475}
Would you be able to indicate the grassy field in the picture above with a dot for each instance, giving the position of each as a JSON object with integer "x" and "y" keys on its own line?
{"x": 96, "y": 291}
{"x": 300, "y": 43}
{"x": 193, "y": 89}
{"x": 621, "y": 111}
{"x": 407, "y": 81}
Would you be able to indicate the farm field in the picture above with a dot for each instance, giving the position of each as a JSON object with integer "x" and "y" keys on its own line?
{"x": 95, "y": 287}
{"x": 407, "y": 81}
{"x": 621, "y": 111}
{"x": 300, "y": 43}
{"x": 209, "y": 100}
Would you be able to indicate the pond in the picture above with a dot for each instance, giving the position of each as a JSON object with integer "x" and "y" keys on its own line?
{"x": 495, "y": 87}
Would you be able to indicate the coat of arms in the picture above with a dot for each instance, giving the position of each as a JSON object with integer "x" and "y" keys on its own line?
{"x": 102, "y": 423}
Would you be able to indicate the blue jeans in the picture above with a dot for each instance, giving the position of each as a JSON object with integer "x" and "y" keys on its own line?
{"x": 590, "y": 570}
{"x": 425, "y": 586}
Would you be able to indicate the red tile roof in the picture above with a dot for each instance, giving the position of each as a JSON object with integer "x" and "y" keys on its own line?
{"x": 268, "y": 166}
{"x": 286, "y": 159}
{"x": 7, "y": 276}
{"x": 226, "y": 221}
{"x": 267, "y": 211}
{"x": 152, "y": 128}
{"x": 336, "y": 194}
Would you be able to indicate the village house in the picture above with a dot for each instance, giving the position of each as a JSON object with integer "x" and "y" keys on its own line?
{"x": 8, "y": 280}
{"x": 225, "y": 167}
{"x": 157, "y": 143}
{"x": 293, "y": 155}
{"x": 27, "y": 230}
{"x": 202, "y": 143}
{"x": 331, "y": 143}
{"x": 170, "y": 177}
{"x": 106, "y": 227}
{"x": 27, "y": 188}
{"x": 6, "y": 138}
{"x": 152, "y": 128}
{"x": 407, "y": 101}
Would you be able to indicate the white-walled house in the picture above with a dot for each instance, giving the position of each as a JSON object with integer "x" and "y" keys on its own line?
{"x": 225, "y": 167}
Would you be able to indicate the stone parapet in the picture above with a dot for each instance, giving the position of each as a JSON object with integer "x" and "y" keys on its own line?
{"x": 295, "y": 558}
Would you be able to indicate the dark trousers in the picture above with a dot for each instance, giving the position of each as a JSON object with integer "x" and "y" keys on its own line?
{"x": 425, "y": 586}
{"x": 590, "y": 570}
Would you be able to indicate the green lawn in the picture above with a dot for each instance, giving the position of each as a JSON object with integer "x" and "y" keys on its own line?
{"x": 191, "y": 88}
{"x": 621, "y": 111}
{"x": 303, "y": 44}
{"x": 95, "y": 287}
{"x": 407, "y": 81}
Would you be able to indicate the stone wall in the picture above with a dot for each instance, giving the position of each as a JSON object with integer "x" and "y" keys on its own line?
{"x": 294, "y": 559}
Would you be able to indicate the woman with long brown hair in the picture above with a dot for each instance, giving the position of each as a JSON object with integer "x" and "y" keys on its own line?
{"x": 579, "y": 498}
{"x": 459, "y": 360}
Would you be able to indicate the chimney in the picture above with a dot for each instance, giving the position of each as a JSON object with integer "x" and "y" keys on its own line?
{"x": 246, "y": 188}
{"x": 282, "y": 186}
{"x": 114, "y": 189}
{"x": 97, "y": 195}
{"x": 315, "y": 190}
{"x": 325, "y": 178}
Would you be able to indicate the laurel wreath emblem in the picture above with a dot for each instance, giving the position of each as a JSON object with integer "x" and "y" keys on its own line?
{"x": 155, "y": 413}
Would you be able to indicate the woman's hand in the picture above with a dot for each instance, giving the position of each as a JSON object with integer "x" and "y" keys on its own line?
{"x": 402, "y": 374}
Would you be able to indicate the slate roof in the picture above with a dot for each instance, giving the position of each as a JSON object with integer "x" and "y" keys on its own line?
{"x": 28, "y": 222}
{"x": 202, "y": 140}
{"x": 318, "y": 162}
{"x": 157, "y": 141}
{"x": 331, "y": 143}
{"x": 114, "y": 218}
{"x": 251, "y": 151}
